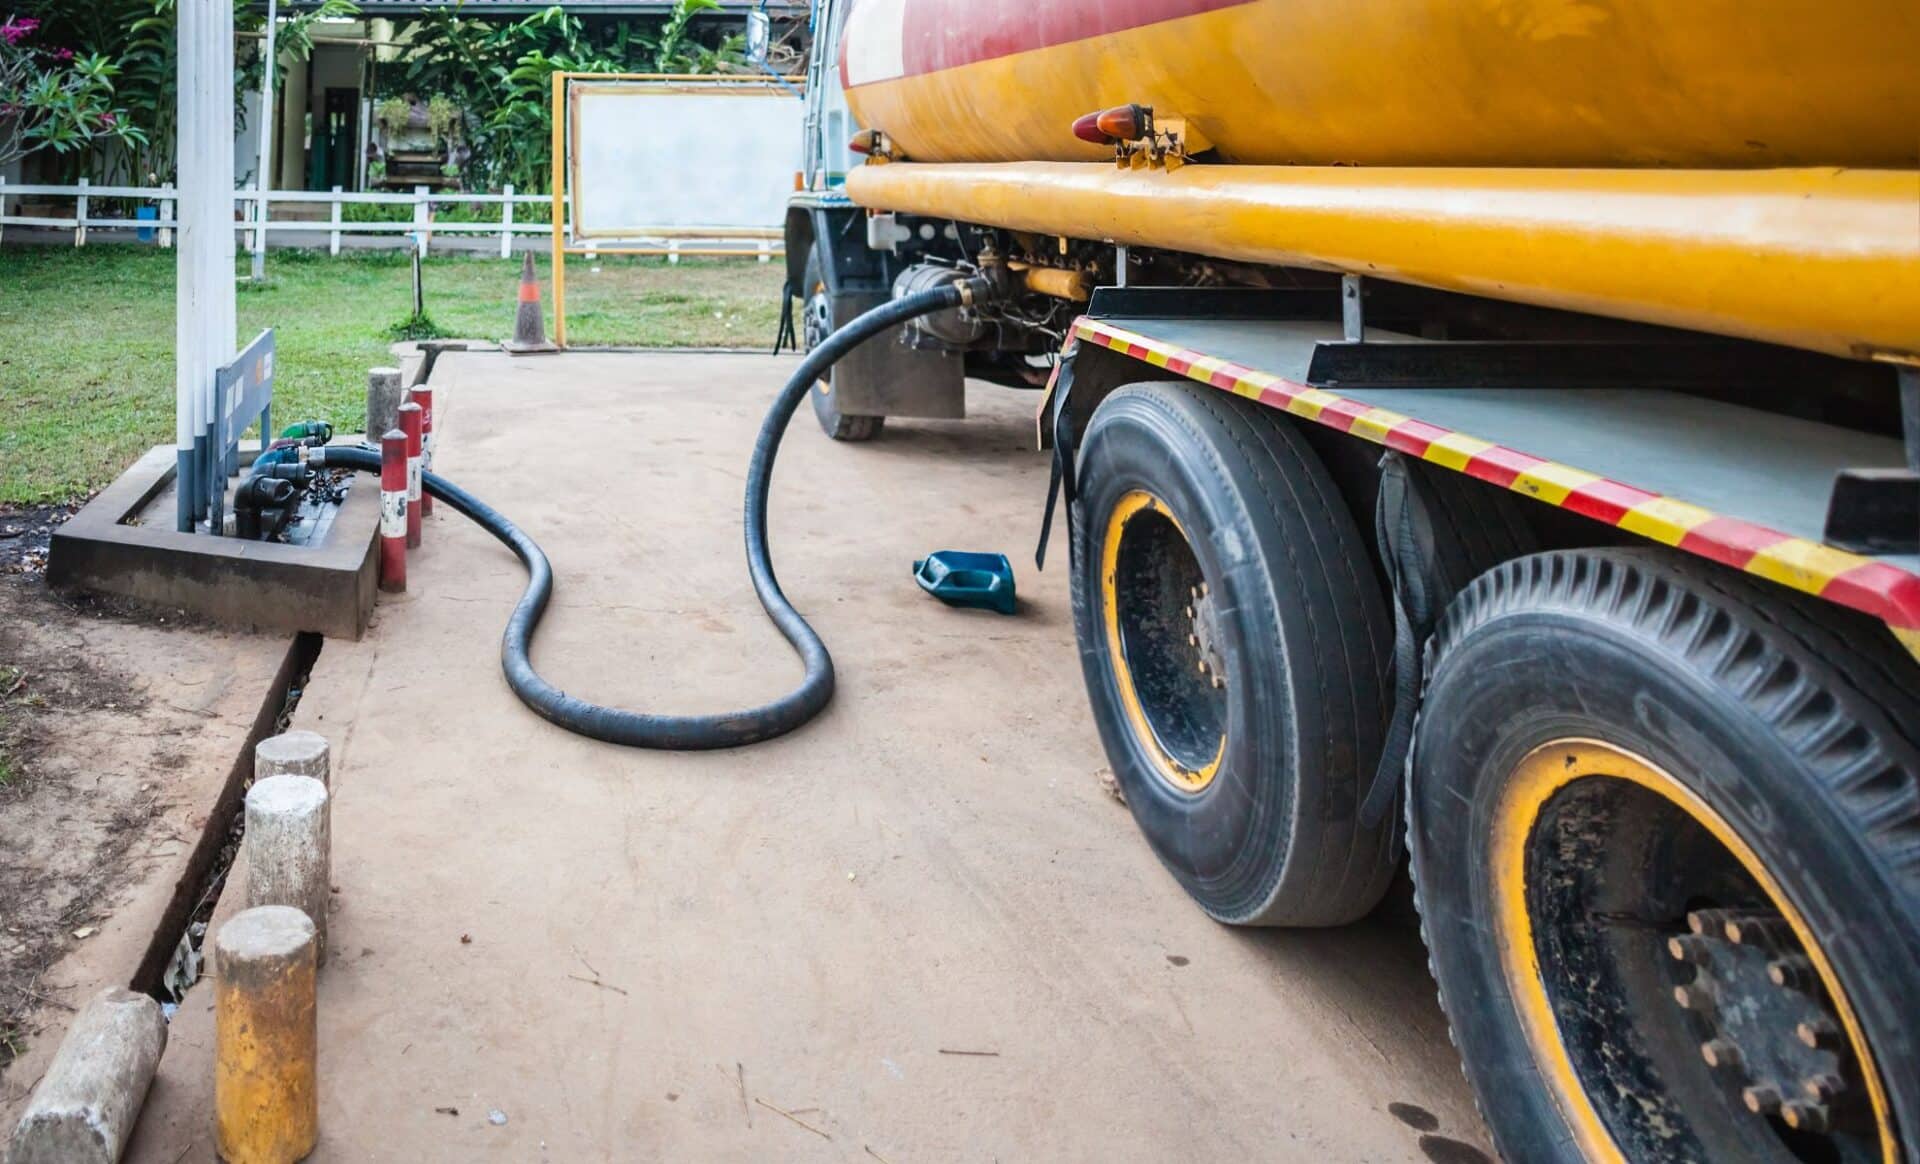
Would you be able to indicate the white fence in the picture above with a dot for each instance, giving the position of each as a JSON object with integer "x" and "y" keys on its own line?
{"x": 423, "y": 224}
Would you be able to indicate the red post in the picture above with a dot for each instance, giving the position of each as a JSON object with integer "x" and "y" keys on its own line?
{"x": 410, "y": 414}
{"x": 393, "y": 511}
{"x": 422, "y": 394}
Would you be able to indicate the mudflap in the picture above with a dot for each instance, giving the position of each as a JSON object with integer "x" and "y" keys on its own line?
{"x": 885, "y": 377}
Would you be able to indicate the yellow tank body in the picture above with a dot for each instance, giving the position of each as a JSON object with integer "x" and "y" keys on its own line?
{"x": 1684, "y": 83}
{"x": 1748, "y": 169}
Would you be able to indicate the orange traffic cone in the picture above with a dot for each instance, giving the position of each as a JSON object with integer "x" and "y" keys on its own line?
{"x": 529, "y": 329}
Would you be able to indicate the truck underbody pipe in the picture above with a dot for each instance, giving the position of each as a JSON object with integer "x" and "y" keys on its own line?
{"x": 687, "y": 732}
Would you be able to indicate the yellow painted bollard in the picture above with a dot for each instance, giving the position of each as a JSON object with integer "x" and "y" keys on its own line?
{"x": 266, "y": 1106}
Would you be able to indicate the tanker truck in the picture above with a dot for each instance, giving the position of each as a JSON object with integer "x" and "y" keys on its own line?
{"x": 1486, "y": 441}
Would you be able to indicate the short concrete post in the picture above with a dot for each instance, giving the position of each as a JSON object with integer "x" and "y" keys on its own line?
{"x": 296, "y": 753}
{"x": 266, "y": 1104}
{"x": 287, "y": 839}
{"x": 85, "y": 1108}
{"x": 384, "y": 394}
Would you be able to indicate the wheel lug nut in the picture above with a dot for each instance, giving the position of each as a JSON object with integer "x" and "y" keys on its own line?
{"x": 1761, "y": 1100}
{"x": 1818, "y": 1033}
{"x": 1696, "y": 998}
{"x": 1193, "y": 640}
{"x": 1803, "y": 1116}
{"x": 1690, "y": 948}
{"x": 1720, "y": 1053}
{"x": 1824, "y": 1087}
{"x": 1219, "y": 682}
{"x": 1793, "y": 971}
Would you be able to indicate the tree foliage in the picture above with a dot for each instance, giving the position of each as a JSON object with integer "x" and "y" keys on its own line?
{"x": 500, "y": 74}
{"x": 140, "y": 38}
{"x": 54, "y": 98}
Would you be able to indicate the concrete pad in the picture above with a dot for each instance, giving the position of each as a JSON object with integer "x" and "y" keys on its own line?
{"x": 917, "y": 929}
{"x": 123, "y": 542}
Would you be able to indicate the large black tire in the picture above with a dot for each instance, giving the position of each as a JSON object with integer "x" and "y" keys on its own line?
{"x": 1615, "y": 745}
{"x": 1246, "y": 789}
{"x": 816, "y": 325}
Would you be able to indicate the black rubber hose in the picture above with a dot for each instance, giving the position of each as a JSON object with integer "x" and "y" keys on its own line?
{"x": 685, "y": 732}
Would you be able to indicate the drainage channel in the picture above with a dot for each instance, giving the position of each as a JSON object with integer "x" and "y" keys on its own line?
{"x": 172, "y": 960}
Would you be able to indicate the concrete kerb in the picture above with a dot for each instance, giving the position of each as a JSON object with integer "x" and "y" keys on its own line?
{"x": 327, "y": 588}
{"x": 84, "y": 1109}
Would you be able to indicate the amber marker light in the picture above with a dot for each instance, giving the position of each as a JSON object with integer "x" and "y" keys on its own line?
{"x": 1125, "y": 122}
{"x": 866, "y": 142}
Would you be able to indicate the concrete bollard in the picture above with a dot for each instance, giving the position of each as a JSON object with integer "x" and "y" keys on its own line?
{"x": 288, "y": 838}
{"x": 384, "y": 395}
{"x": 295, "y": 753}
{"x": 85, "y": 1108}
{"x": 266, "y": 1105}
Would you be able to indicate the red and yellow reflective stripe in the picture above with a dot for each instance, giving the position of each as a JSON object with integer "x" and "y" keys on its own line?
{"x": 1866, "y": 584}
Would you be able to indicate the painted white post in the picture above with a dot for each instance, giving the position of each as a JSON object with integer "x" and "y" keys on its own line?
{"x": 203, "y": 286}
{"x": 506, "y": 222}
{"x": 166, "y": 214}
{"x": 420, "y": 219}
{"x": 673, "y": 252}
{"x": 766, "y": 251}
{"x": 80, "y": 216}
{"x": 260, "y": 179}
{"x": 3, "y": 206}
{"x": 333, "y": 237}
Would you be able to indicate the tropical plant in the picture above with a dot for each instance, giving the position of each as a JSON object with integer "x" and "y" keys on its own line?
{"x": 393, "y": 114}
{"x": 499, "y": 75}
{"x": 443, "y": 116}
{"x": 139, "y": 38}
{"x": 53, "y": 98}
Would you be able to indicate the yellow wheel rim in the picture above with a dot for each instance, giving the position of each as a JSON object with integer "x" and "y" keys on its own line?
{"x": 1540, "y": 775}
{"x": 1182, "y": 777}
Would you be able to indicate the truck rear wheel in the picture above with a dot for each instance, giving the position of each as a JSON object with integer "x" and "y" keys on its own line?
{"x": 1235, "y": 645}
{"x": 1663, "y": 830}
{"x": 816, "y": 326}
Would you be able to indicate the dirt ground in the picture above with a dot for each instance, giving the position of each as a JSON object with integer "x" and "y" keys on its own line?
{"x": 117, "y": 727}
{"x": 918, "y": 929}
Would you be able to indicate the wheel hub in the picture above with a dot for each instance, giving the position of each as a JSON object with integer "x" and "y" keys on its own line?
{"x": 1204, "y": 637}
{"x": 818, "y": 324}
{"x": 1770, "y": 1028}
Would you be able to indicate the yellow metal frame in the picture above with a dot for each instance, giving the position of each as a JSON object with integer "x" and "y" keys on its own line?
{"x": 559, "y": 186}
{"x": 1542, "y": 773}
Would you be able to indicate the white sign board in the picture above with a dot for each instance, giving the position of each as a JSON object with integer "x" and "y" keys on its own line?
{"x": 649, "y": 159}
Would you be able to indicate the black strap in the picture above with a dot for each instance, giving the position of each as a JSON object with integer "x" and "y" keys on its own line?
{"x": 1062, "y": 480}
{"x": 1396, "y": 515}
{"x": 785, "y": 337}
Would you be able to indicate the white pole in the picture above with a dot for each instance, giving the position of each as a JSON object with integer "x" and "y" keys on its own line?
{"x": 260, "y": 176}
{"x": 506, "y": 222}
{"x": 203, "y": 290}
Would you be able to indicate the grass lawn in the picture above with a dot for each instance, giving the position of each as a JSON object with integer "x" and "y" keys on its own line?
{"x": 86, "y": 337}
